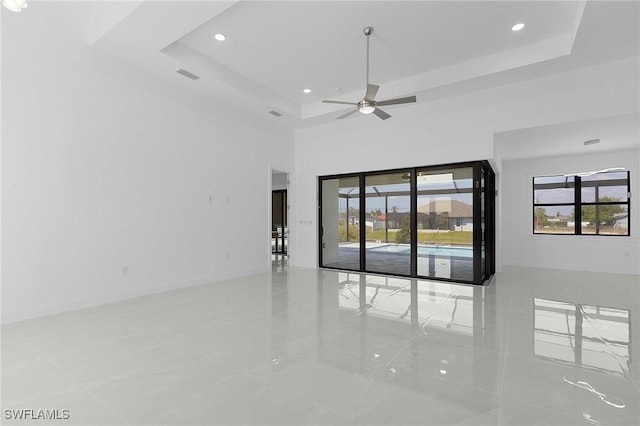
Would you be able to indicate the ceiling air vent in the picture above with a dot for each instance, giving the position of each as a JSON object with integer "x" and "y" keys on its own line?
{"x": 591, "y": 142}
{"x": 187, "y": 74}
{"x": 275, "y": 113}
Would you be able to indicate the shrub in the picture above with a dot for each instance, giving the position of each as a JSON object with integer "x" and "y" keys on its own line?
{"x": 403, "y": 236}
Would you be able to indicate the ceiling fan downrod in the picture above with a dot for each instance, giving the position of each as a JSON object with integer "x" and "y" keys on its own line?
{"x": 368, "y": 104}
{"x": 367, "y": 32}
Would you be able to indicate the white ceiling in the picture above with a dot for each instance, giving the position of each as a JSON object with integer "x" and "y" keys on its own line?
{"x": 275, "y": 49}
{"x": 615, "y": 133}
{"x": 288, "y": 46}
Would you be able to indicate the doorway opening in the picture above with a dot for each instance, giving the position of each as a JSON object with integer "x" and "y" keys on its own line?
{"x": 279, "y": 218}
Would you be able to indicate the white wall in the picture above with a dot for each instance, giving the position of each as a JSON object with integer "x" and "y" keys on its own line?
{"x": 585, "y": 253}
{"x": 279, "y": 181}
{"x": 454, "y": 129}
{"x": 107, "y": 175}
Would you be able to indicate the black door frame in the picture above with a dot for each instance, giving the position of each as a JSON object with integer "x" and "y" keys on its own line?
{"x": 489, "y": 218}
{"x": 283, "y": 206}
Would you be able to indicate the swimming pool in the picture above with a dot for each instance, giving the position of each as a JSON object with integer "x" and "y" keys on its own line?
{"x": 444, "y": 251}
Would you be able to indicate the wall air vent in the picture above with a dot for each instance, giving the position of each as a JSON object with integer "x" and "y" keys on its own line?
{"x": 275, "y": 113}
{"x": 187, "y": 74}
{"x": 591, "y": 142}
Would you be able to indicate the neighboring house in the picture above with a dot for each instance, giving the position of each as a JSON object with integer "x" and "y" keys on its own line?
{"x": 446, "y": 214}
{"x": 443, "y": 215}
{"x": 572, "y": 224}
{"x": 559, "y": 219}
{"x": 391, "y": 220}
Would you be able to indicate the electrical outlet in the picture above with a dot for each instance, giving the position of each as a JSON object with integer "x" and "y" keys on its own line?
{"x": 125, "y": 270}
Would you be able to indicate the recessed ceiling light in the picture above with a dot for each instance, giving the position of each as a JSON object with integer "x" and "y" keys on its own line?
{"x": 307, "y": 90}
{"x": 220, "y": 37}
{"x": 15, "y": 5}
{"x": 517, "y": 27}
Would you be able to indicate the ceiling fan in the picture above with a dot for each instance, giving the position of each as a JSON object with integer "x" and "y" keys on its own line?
{"x": 368, "y": 104}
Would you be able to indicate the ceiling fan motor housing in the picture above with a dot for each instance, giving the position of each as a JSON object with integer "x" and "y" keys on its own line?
{"x": 368, "y": 104}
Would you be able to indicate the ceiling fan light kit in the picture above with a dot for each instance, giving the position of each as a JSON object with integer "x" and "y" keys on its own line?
{"x": 368, "y": 104}
{"x": 366, "y": 107}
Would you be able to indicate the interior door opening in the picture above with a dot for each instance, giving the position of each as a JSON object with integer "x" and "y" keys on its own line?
{"x": 279, "y": 216}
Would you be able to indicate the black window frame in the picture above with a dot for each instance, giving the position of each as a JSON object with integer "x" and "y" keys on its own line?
{"x": 578, "y": 204}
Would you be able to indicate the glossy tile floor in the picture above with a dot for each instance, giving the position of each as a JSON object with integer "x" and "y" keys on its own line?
{"x": 302, "y": 346}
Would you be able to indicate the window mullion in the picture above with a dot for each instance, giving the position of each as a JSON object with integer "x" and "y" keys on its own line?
{"x": 577, "y": 199}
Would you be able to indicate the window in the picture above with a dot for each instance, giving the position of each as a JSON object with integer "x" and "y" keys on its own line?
{"x": 584, "y": 204}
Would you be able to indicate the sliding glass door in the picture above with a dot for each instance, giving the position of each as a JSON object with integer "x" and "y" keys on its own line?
{"x": 445, "y": 223}
{"x": 430, "y": 222}
{"x": 340, "y": 230}
{"x": 388, "y": 220}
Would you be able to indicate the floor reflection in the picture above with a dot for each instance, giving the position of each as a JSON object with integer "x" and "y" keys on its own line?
{"x": 410, "y": 333}
{"x": 587, "y": 336}
{"x": 423, "y": 304}
{"x": 303, "y": 346}
{"x": 279, "y": 262}
{"x": 585, "y": 352}
{"x": 539, "y": 359}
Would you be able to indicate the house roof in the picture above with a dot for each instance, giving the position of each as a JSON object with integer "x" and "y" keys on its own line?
{"x": 453, "y": 207}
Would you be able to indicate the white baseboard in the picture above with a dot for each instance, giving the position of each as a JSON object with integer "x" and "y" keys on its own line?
{"x": 74, "y": 305}
{"x": 595, "y": 267}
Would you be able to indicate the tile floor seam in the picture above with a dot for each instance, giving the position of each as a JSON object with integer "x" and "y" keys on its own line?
{"x": 88, "y": 391}
{"x": 294, "y": 394}
{"x": 479, "y": 416}
{"x": 539, "y": 407}
{"x": 218, "y": 361}
{"x": 463, "y": 385}
{"x": 370, "y": 382}
{"x": 329, "y": 370}
{"x": 40, "y": 353}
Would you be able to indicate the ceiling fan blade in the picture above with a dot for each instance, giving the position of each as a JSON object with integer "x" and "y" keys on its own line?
{"x": 347, "y": 114}
{"x": 381, "y": 114}
{"x": 406, "y": 100}
{"x": 339, "y": 102}
{"x": 372, "y": 89}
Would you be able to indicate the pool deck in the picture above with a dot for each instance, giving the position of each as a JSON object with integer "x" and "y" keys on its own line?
{"x": 440, "y": 266}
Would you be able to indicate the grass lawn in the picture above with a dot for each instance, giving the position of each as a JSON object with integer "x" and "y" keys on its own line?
{"x": 453, "y": 237}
